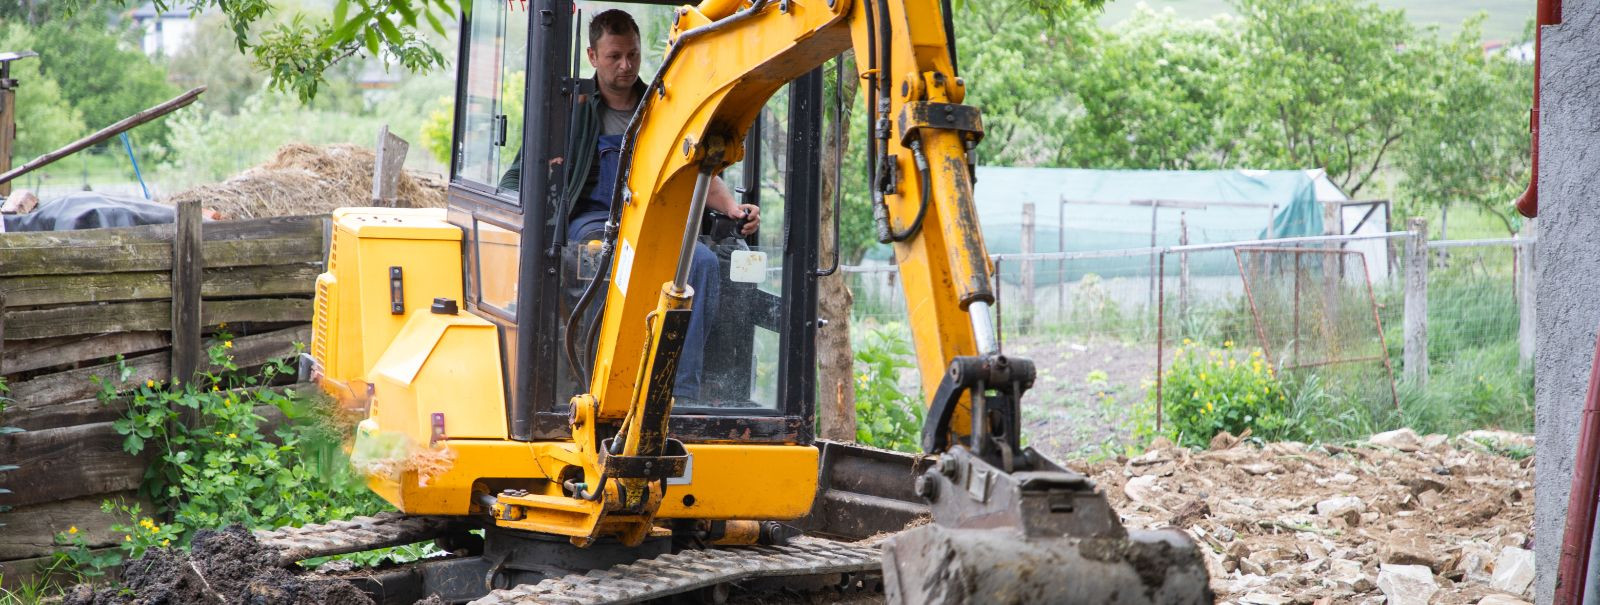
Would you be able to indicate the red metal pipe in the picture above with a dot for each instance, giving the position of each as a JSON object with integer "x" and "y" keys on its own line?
{"x": 1571, "y": 571}
{"x": 1549, "y": 13}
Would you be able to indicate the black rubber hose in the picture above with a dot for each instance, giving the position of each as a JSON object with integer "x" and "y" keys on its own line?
{"x": 927, "y": 193}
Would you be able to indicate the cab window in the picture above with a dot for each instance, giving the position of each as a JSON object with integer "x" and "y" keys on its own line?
{"x": 490, "y": 100}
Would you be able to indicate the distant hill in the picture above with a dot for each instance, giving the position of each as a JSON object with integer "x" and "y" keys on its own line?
{"x": 1507, "y": 18}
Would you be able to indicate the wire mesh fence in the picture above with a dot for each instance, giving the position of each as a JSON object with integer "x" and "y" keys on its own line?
{"x": 1104, "y": 326}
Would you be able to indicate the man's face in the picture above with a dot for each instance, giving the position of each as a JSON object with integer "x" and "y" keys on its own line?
{"x": 616, "y": 62}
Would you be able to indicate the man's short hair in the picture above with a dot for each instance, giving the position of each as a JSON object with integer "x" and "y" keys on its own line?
{"x": 616, "y": 22}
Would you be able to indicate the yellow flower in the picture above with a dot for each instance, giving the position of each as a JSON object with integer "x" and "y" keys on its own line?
{"x": 1209, "y": 407}
{"x": 1202, "y": 376}
{"x": 227, "y": 344}
{"x": 150, "y": 383}
{"x": 127, "y": 538}
{"x": 167, "y": 542}
{"x": 155, "y": 529}
{"x": 233, "y": 435}
{"x": 1187, "y": 342}
{"x": 72, "y": 530}
{"x": 1255, "y": 353}
{"x": 145, "y": 522}
{"x": 222, "y": 325}
{"x": 214, "y": 388}
{"x": 1227, "y": 344}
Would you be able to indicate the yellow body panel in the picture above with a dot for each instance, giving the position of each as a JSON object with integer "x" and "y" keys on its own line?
{"x": 437, "y": 364}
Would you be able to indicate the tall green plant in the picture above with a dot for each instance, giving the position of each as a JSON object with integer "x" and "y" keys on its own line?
{"x": 216, "y": 460}
{"x": 887, "y": 415}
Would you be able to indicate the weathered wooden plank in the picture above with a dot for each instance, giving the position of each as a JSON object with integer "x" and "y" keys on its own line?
{"x": 264, "y": 241}
{"x": 14, "y": 575}
{"x": 187, "y": 264}
{"x": 90, "y": 411}
{"x": 26, "y": 355}
{"x": 145, "y": 316}
{"x": 68, "y": 462}
{"x": 30, "y": 530}
{"x": 272, "y": 280}
{"x": 36, "y": 395}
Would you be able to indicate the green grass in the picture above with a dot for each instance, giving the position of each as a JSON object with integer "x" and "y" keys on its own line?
{"x": 1507, "y": 18}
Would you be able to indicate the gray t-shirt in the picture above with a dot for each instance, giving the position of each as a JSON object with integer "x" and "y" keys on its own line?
{"x": 613, "y": 121}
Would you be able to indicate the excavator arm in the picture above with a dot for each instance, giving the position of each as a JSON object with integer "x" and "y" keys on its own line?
{"x": 724, "y": 60}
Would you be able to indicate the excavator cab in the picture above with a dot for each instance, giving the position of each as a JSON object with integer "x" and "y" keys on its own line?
{"x": 523, "y": 277}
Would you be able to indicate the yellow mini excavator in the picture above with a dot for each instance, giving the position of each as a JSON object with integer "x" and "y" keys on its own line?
{"x": 514, "y": 382}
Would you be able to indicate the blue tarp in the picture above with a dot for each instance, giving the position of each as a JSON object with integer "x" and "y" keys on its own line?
{"x": 1111, "y": 222}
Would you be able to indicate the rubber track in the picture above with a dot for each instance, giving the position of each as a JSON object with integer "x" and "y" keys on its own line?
{"x": 352, "y": 535}
{"x": 689, "y": 570}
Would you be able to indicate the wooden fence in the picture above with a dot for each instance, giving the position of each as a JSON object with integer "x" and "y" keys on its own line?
{"x": 71, "y": 301}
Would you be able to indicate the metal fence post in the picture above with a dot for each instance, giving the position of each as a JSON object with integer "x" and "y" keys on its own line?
{"x": 1025, "y": 322}
{"x": 1415, "y": 356}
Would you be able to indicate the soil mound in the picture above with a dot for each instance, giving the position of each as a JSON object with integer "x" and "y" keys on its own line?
{"x": 227, "y": 566}
{"x": 306, "y": 179}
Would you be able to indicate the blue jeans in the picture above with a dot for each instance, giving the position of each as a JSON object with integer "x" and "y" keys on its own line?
{"x": 707, "y": 285}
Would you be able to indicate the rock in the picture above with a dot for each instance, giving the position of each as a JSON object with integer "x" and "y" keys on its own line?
{"x": 1345, "y": 574}
{"x": 1251, "y": 567}
{"x": 1513, "y": 570}
{"x": 1406, "y": 584}
{"x": 1260, "y": 468}
{"x": 1500, "y": 599}
{"x": 1189, "y": 513}
{"x": 1405, "y": 440}
{"x": 1348, "y": 508}
{"x": 1342, "y": 478}
{"x": 1261, "y": 598}
{"x": 1428, "y": 499}
{"x": 1435, "y": 442}
{"x": 1500, "y": 440}
{"x": 1409, "y": 548}
{"x": 1238, "y": 550}
{"x": 1474, "y": 564}
{"x": 1421, "y": 483}
{"x": 1142, "y": 489}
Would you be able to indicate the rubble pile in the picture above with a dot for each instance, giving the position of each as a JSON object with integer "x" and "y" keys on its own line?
{"x": 1400, "y": 518}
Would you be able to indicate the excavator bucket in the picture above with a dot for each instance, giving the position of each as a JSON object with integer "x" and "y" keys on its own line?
{"x": 1037, "y": 534}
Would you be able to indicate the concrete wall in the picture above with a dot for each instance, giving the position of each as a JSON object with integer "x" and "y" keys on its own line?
{"x": 1568, "y": 260}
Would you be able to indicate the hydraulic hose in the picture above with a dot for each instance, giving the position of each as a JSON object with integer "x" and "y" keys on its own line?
{"x": 926, "y": 192}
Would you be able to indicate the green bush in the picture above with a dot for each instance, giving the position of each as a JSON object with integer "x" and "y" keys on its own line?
{"x": 1209, "y": 390}
{"x": 887, "y": 416}
{"x": 215, "y": 460}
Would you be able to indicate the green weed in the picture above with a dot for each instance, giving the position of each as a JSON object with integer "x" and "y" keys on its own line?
{"x": 1208, "y": 390}
{"x": 887, "y": 416}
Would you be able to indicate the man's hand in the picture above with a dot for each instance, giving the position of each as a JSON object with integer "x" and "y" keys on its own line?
{"x": 751, "y": 214}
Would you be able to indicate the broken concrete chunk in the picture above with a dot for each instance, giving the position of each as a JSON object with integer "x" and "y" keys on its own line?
{"x": 1348, "y": 508}
{"x": 1409, "y": 547}
{"x": 1142, "y": 489}
{"x": 1513, "y": 570}
{"x": 1348, "y": 575}
{"x": 1405, "y": 440}
{"x": 1406, "y": 584}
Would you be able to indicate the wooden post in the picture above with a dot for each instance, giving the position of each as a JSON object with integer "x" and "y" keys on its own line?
{"x": 387, "y": 165}
{"x": 1415, "y": 357}
{"x": 186, "y": 271}
{"x": 1525, "y": 293}
{"x": 2, "y": 333}
{"x": 8, "y": 122}
{"x": 1183, "y": 265}
{"x": 1025, "y": 319}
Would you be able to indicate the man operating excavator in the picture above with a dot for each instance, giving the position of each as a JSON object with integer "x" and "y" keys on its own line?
{"x": 599, "y": 121}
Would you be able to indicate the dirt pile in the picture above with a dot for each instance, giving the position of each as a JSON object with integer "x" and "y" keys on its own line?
{"x": 305, "y": 179}
{"x": 1410, "y": 518}
{"x": 226, "y": 566}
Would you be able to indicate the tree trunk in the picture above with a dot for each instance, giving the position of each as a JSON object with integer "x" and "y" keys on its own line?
{"x": 836, "y": 394}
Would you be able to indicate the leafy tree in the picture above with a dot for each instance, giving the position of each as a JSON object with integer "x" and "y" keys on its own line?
{"x": 1018, "y": 63}
{"x": 1154, "y": 95}
{"x": 100, "y": 75}
{"x": 1325, "y": 83}
{"x": 1471, "y": 143}
{"x": 44, "y": 120}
